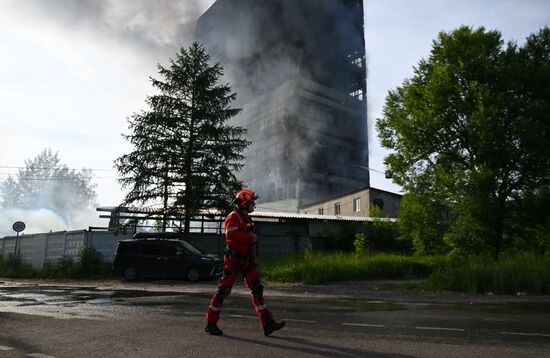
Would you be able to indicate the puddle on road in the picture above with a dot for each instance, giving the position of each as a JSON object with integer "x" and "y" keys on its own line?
{"x": 504, "y": 308}
{"x": 366, "y": 306}
{"x": 52, "y": 296}
{"x": 21, "y": 295}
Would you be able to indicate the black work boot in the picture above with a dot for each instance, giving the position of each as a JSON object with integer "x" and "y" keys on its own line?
{"x": 213, "y": 330}
{"x": 272, "y": 326}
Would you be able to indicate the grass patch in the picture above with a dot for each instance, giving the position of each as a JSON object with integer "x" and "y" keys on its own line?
{"x": 322, "y": 268}
{"x": 525, "y": 273}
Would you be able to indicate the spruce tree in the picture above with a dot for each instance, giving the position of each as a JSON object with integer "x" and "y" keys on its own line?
{"x": 185, "y": 154}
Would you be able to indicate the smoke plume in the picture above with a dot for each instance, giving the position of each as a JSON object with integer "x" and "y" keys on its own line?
{"x": 41, "y": 220}
{"x": 160, "y": 26}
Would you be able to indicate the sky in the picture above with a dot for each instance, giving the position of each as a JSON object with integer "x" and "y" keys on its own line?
{"x": 72, "y": 71}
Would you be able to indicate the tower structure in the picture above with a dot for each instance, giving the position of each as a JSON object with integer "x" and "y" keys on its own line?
{"x": 299, "y": 71}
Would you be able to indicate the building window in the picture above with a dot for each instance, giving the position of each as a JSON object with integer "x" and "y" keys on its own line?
{"x": 320, "y": 211}
{"x": 356, "y": 205}
{"x": 337, "y": 209}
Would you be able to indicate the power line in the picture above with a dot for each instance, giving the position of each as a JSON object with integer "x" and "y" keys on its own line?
{"x": 51, "y": 178}
{"x": 111, "y": 170}
{"x": 57, "y": 168}
{"x": 59, "y": 179}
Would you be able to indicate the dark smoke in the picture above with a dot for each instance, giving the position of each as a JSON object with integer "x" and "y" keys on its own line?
{"x": 269, "y": 50}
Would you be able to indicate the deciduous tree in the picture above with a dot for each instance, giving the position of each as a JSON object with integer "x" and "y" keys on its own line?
{"x": 45, "y": 183}
{"x": 472, "y": 129}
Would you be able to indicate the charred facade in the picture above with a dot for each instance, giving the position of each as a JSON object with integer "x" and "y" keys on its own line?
{"x": 299, "y": 71}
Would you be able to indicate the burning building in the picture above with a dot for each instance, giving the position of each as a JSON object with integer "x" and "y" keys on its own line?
{"x": 299, "y": 71}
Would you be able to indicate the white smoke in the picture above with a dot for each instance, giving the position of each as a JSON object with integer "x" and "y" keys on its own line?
{"x": 44, "y": 220}
{"x": 36, "y": 221}
{"x": 140, "y": 29}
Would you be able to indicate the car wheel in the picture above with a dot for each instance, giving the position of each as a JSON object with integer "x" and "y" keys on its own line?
{"x": 193, "y": 274}
{"x": 130, "y": 274}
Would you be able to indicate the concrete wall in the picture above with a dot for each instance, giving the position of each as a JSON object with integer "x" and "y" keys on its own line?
{"x": 39, "y": 250}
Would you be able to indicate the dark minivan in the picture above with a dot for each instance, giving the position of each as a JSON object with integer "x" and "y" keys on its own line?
{"x": 162, "y": 254}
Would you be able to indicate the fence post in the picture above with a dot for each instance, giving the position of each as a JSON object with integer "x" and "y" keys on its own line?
{"x": 46, "y": 250}
{"x": 65, "y": 244}
{"x": 88, "y": 239}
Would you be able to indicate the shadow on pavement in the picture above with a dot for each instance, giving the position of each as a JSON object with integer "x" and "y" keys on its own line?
{"x": 310, "y": 347}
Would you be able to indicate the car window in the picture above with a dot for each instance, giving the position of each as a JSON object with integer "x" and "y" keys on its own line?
{"x": 169, "y": 248}
{"x": 191, "y": 248}
{"x": 127, "y": 247}
{"x": 150, "y": 248}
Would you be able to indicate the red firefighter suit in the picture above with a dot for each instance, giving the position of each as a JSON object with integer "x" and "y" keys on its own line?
{"x": 239, "y": 259}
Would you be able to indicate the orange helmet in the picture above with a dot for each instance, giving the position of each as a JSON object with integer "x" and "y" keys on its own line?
{"x": 243, "y": 197}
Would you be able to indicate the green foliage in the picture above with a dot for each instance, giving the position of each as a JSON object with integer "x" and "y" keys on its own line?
{"x": 185, "y": 154}
{"x": 12, "y": 266}
{"x": 423, "y": 221}
{"x": 470, "y": 131}
{"x": 321, "y": 268}
{"x": 89, "y": 265}
{"x": 530, "y": 230}
{"x": 525, "y": 273}
{"x": 360, "y": 244}
{"x": 336, "y": 239}
{"x": 383, "y": 236}
{"x": 64, "y": 267}
{"x": 374, "y": 236}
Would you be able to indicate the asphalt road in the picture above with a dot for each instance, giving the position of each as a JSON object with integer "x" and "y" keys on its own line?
{"x": 167, "y": 320}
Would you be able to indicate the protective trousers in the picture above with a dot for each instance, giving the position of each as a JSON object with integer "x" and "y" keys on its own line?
{"x": 232, "y": 267}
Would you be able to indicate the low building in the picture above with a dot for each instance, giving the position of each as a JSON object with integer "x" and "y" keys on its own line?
{"x": 357, "y": 203}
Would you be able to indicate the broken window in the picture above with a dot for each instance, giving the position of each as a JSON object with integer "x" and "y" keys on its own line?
{"x": 357, "y": 62}
{"x": 359, "y": 94}
{"x": 379, "y": 202}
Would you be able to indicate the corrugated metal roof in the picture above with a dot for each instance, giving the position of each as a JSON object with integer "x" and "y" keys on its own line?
{"x": 257, "y": 214}
{"x": 283, "y": 215}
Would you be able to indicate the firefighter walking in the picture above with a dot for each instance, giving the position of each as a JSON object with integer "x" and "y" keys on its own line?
{"x": 239, "y": 260}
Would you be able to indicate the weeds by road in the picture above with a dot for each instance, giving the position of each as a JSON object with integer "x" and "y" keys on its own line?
{"x": 522, "y": 273}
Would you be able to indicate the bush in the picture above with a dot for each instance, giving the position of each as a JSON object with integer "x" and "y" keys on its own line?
{"x": 374, "y": 236}
{"x": 12, "y": 266}
{"x": 88, "y": 265}
{"x": 320, "y": 268}
{"x": 360, "y": 243}
{"x": 64, "y": 267}
{"x": 525, "y": 273}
